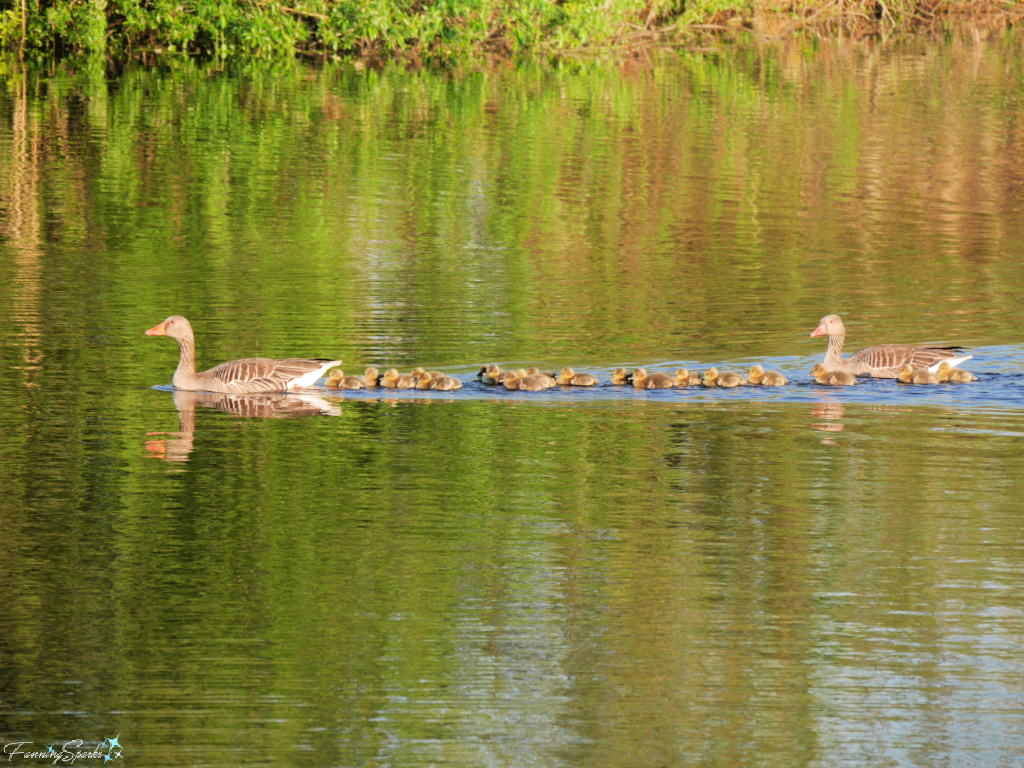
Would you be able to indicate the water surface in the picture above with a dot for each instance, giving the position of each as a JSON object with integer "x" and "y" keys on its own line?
{"x": 802, "y": 576}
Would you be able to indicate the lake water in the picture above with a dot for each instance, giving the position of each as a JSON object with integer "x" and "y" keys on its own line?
{"x": 805, "y": 576}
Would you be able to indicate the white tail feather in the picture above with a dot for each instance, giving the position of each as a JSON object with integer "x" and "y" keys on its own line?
{"x": 307, "y": 379}
{"x": 953, "y": 363}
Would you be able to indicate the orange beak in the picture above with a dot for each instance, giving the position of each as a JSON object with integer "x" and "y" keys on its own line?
{"x": 819, "y": 331}
{"x": 161, "y": 330}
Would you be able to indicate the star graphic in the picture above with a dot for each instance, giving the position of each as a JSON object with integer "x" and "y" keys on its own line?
{"x": 51, "y": 749}
{"x": 114, "y": 741}
{"x": 102, "y": 743}
{"x": 107, "y": 758}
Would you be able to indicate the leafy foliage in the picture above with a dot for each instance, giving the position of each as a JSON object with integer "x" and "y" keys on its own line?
{"x": 440, "y": 30}
{"x": 432, "y": 28}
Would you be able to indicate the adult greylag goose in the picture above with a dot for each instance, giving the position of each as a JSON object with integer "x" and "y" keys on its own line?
{"x": 237, "y": 377}
{"x": 881, "y": 361}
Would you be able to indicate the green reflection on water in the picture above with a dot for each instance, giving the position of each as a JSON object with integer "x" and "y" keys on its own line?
{"x": 470, "y": 581}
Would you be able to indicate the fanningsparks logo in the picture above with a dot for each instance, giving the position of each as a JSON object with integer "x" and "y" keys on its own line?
{"x": 66, "y": 753}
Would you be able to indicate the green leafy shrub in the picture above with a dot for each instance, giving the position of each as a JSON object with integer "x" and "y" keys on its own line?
{"x": 431, "y": 29}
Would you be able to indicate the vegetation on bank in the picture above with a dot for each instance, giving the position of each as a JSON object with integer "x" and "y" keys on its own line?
{"x": 443, "y": 29}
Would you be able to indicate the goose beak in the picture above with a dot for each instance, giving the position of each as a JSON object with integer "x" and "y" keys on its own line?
{"x": 158, "y": 330}
{"x": 819, "y": 331}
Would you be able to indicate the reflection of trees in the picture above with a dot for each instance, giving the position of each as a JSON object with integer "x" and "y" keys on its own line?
{"x": 487, "y": 212}
{"x": 20, "y": 223}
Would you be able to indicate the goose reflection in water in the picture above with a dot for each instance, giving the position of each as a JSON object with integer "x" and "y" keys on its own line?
{"x": 833, "y": 413}
{"x": 176, "y": 446}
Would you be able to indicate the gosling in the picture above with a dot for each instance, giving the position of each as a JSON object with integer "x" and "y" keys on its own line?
{"x": 490, "y": 374}
{"x": 338, "y": 380}
{"x": 658, "y": 380}
{"x": 731, "y": 379}
{"x": 759, "y": 376}
{"x": 908, "y": 375}
{"x": 686, "y": 379}
{"x": 956, "y": 375}
{"x": 394, "y": 380}
{"x": 446, "y": 384}
{"x": 620, "y": 377}
{"x": 569, "y": 378}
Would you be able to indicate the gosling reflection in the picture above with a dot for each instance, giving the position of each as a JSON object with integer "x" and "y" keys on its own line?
{"x": 176, "y": 446}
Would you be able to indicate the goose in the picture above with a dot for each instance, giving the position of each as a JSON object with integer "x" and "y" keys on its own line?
{"x": 710, "y": 377}
{"x": 881, "y": 361}
{"x": 756, "y": 374}
{"x": 237, "y": 377}
{"x": 639, "y": 378}
{"x": 569, "y": 378}
{"x": 947, "y": 373}
{"x": 371, "y": 378}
